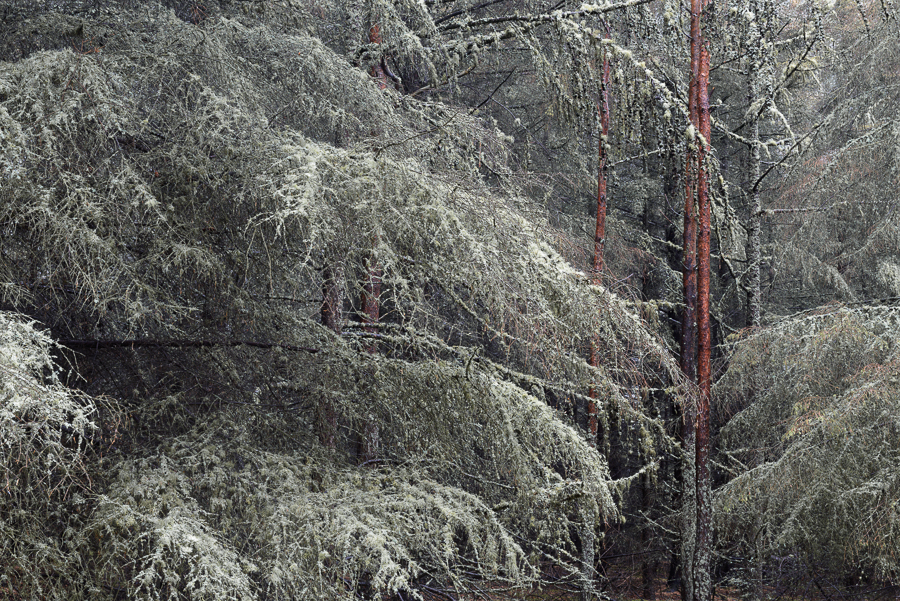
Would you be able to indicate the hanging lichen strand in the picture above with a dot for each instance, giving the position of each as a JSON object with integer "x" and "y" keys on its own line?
{"x": 175, "y": 205}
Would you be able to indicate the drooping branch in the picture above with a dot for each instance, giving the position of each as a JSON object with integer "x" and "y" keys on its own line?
{"x": 145, "y": 343}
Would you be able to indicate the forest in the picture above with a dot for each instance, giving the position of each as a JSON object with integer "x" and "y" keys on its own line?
{"x": 449, "y": 300}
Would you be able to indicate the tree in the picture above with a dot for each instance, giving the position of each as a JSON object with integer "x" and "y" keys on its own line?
{"x": 812, "y": 447}
{"x": 170, "y": 203}
{"x": 696, "y": 313}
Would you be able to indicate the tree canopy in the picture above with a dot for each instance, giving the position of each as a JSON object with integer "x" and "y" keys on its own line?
{"x": 297, "y": 299}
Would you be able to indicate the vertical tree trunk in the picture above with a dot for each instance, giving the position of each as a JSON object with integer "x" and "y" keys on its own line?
{"x": 702, "y": 550}
{"x": 371, "y": 306}
{"x": 378, "y": 71}
{"x": 332, "y": 314}
{"x": 371, "y": 294}
{"x": 696, "y": 547}
{"x": 600, "y": 231}
{"x": 689, "y": 319}
{"x": 754, "y": 251}
{"x": 587, "y": 537}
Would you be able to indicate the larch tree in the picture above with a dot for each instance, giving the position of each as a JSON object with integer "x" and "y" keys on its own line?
{"x": 188, "y": 204}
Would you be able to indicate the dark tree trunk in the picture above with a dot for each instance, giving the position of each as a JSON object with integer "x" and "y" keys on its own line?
{"x": 587, "y": 569}
{"x": 371, "y": 307}
{"x": 754, "y": 251}
{"x": 689, "y": 319}
{"x": 600, "y": 230}
{"x": 332, "y": 314}
{"x": 371, "y": 294}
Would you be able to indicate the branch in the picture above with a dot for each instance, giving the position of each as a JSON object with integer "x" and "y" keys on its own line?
{"x": 557, "y": 15}
{"x": 137, "y": 343}
{"x": 461, "y": 11}
{"x": 786, "y": 155}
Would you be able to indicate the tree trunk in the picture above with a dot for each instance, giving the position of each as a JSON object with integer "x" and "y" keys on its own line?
{"x": 371, "y": 306}
{"x": 378, "y": 71}
{"x": 702, "y": 550}
{"x": 600, "y": 231}
{"x": 587, "y": 547}
{"x": 332, "y": 314}
{"x": 754, "y": 251}
{"x": 696, "y": 544}
{"x": 689, "y": 319}
{"x": 371, "y": 294}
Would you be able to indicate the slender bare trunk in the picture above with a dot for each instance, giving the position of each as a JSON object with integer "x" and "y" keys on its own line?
{"x": 332, "y": 314}
{"x": 587, "y": 537}
{"x": 371, "y": 306}
{"x": 697, "y": 538}
{"x": 689, "y": 319}
{"x": 702, "y": 550}
{"x": 754, "y": 251}
{"x": 600, "y": 231}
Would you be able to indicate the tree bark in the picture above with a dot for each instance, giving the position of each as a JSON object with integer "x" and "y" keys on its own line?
{"x": 754, "y": 251}
{"x": 588, "y": 539}
{"x": 371, "y": 306}
{"x": 689, "y": 319}
{"x": 332, "y": 315}
{"x": 696, "y": 545}
{"x": 600, "y": 230}
{"x": 378, "y": 70}
{"x": 371, "y": 294}
{"x": 702, "y": 550}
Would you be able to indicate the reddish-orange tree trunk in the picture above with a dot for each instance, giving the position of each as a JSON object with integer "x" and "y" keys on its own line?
{"x": 696, "y": 351}
{"x": 378, "y": 71}
{"x": 600, "y": 231}
{"x": 703, "y": 541}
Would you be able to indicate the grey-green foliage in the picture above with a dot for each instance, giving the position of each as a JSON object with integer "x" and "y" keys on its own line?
{"x": 816, "y": 443}
{"x": 44, "y": 430}
{"x": 191, "y": 181}
{"x": 846, "y": 243}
